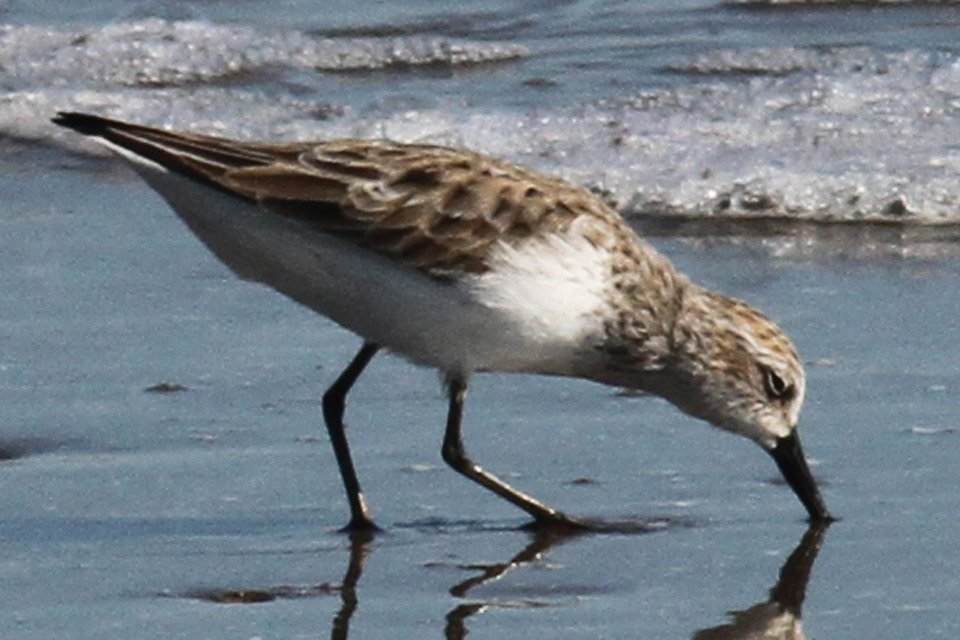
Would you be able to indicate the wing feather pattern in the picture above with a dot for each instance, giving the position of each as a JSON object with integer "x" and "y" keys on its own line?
{"x": 437, "y": 209}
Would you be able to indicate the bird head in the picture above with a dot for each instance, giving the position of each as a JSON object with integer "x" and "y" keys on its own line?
{"x": 740, "y": 372}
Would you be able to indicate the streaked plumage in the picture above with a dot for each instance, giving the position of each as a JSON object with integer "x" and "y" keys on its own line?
{"x": 467, "y": 263}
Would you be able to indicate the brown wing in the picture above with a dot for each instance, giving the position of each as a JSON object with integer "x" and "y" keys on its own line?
{"x": 435, "y": 208}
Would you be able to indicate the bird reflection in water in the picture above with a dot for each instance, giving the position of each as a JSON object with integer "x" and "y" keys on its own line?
{"x": 776, "y": 618}
{"x": 543, "y": 541}
{"x": 359, "y": 550}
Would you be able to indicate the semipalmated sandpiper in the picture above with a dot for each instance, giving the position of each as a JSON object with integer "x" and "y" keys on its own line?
{"x": 466, "y": 263}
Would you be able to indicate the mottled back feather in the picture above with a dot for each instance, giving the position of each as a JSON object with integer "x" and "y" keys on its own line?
{"x": 437, "y": 209}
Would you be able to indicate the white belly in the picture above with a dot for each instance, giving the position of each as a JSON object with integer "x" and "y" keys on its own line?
{"x": 531, "y": 312}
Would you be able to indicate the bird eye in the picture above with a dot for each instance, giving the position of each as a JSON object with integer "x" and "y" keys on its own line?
{"x": 776, "y": 387}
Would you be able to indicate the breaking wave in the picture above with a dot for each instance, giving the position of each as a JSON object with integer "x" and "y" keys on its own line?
{"x": 817, "y": 134}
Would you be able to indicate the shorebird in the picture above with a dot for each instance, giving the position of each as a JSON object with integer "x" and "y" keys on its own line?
{"x": 466, "y": 263}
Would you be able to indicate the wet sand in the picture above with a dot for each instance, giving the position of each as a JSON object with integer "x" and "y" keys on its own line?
{"x": 212, "y": 510}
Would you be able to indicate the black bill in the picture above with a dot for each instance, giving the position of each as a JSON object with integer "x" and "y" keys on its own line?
{"x": 789, "y": 457}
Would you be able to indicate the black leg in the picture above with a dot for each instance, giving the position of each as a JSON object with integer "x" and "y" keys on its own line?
{"x": 334, "y": 403}
{"x": 456, "y": 456}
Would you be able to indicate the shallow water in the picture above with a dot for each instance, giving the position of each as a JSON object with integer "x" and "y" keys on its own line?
{"x": 130, "y": 513}
{"x": 163, "y": 467}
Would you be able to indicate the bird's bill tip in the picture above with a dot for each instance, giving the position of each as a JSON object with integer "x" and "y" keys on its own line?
{"x": 788, "y": 454}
